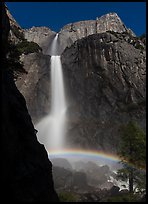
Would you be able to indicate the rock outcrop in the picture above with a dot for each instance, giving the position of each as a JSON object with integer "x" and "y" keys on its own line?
{"x": 78, "y": 30}
{"x": 5, "y": 31}
{"x": 89, "y": 176}
{"x": 16, "y": 33}
{"x": 43, "y": 36}
{"x": 62, "y": 162}
{"x": 26, "y": 170}
{"x": 74, "y": 31}
{"x": 105, "y": 81}
{"x": 35, "y": 86}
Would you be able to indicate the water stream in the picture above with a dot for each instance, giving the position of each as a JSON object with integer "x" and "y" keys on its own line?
{"x": 51, "y": 129}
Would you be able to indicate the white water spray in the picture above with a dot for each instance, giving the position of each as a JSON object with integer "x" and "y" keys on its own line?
{"x": 54, "y": 46}
{"x": 51, "y": 129}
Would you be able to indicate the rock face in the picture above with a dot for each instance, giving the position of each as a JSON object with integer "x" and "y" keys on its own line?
{"x": 16, "y": 32}
{"x": 84, "y": 177}
{"x": 40, "y": 35}
{"x": 80, "y": 179}
{"x": 105, "y": 81}
{"x": 104, "y": 72}
{"x": 26, "y": 169}
{"x": 74, "y": 31}
{"x": 5, "y": 32}
{"x": 62, "y": 162}
{"x": 96, "y": 175}
{"x": 62, "y": 177}
{"x": 35, "y": 86}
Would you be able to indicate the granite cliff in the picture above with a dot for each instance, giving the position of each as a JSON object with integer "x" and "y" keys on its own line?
{"x": 74, "y": 31}
{"x": 104, "y": 66}
{"x": 26, "y": 170}
{"x": 105, "y": 80}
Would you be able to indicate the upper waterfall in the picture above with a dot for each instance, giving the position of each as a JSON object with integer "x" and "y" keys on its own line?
{"x": 52, "y": 128}
{"x": 53, "y": 49}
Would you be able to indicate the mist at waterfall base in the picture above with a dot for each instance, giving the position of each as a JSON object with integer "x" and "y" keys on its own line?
{"x": 52, "y": 128}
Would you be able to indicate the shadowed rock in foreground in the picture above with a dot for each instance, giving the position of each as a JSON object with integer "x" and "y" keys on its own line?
{"x": 26, "y": 169}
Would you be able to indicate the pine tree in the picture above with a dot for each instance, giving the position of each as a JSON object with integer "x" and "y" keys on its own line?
{"x": 132, "y": 151}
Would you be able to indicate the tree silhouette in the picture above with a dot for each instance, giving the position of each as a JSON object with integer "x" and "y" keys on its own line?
{"x": 132, "y": 151}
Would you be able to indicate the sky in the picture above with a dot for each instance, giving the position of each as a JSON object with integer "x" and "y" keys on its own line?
{"x": 57, "y": 14}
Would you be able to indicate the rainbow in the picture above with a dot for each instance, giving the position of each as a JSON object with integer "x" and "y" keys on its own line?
{"x": 84, "y": 153}
{"x": 94, "y": 154}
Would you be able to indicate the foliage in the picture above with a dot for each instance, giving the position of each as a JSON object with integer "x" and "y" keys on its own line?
{"x": 133, "y": 144}
{"x": 132, "y": 151}
{"x": 123, "y": 174}
{"x": 128, "y": 197}
{"x": 140, "y": 181}
{"x": 68, "y": 197}
{"x": 14, "y": 52}
{"x": 143, "y": 38}
{"x": 12, "y": 59}
{"x": 142, "y": 102}
{"x": 139, "y": 46}
{"x": 26, "y": 47}
{"x": 19, "y": 34}
{"x": 137, "y": 42}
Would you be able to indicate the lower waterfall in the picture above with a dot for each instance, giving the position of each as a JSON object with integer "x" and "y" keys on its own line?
{"x": 51, "y": 129}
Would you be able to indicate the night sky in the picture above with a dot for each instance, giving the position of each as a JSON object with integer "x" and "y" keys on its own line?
{"x": 57, "y": 14}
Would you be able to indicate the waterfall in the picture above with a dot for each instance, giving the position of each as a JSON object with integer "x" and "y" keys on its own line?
{"x": 51, "y": 129}
{"x": 53, "y": 49}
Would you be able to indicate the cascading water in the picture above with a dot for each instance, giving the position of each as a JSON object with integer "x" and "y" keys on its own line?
{"x": 51, "y": 129}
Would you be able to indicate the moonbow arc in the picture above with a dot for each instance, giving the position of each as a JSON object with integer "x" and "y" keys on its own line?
{"x": 84, "y": 153}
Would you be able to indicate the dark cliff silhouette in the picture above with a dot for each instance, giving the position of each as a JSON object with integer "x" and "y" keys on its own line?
{"x": 26, "y": 170}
